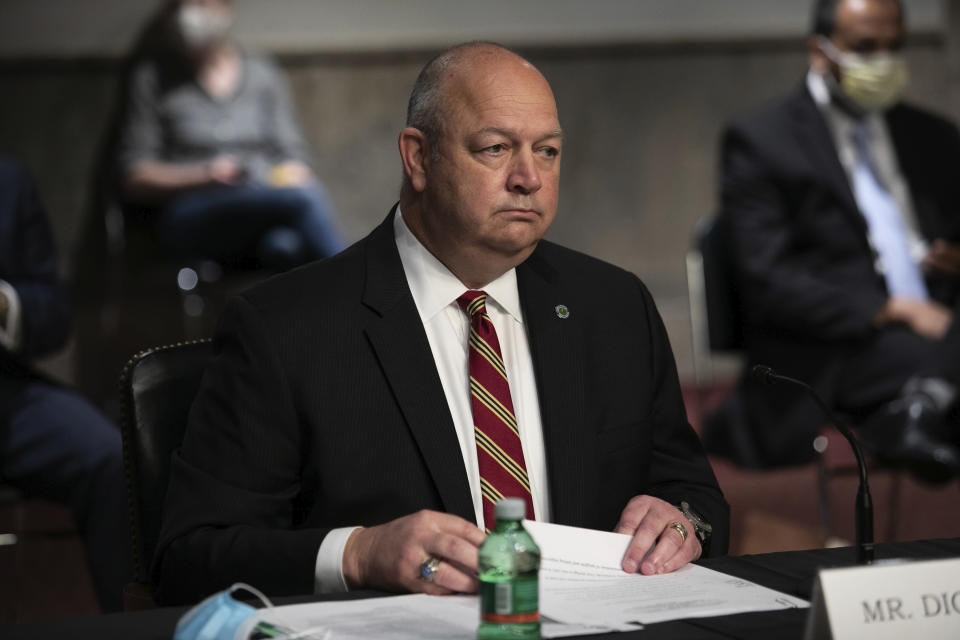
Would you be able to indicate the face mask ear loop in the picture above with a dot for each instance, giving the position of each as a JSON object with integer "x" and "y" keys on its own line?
{"x": 830, "y": 50}
{"x": 243, "y": 586}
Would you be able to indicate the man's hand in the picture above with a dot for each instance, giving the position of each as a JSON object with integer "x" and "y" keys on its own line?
{"x": 943, "y": 257}
{"x": 389, "y": 556}
{"x": 647, "y": 519}
{"x": 926, "y": 318}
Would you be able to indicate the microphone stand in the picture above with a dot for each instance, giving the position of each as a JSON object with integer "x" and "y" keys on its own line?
{"x": 863, "y": 507}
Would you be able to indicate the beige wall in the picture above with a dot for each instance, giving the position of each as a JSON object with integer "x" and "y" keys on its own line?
{"x": 106, "y": 27}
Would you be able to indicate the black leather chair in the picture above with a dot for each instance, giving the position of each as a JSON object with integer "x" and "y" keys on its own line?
{"x": 725, "y": 330}
{"x": 157, "y": 388}
{"x": 717, "y": 329}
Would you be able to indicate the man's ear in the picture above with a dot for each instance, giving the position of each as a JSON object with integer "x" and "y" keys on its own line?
{"x": 414, "y": 149}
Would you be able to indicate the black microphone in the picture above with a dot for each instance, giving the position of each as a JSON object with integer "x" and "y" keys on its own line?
{"x": 864, "y": 504}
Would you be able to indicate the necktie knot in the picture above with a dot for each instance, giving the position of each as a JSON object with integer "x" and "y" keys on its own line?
{"x": 473, "y": 302}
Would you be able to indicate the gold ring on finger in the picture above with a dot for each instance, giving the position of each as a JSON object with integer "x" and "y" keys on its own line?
{"x": 679, "y": 528}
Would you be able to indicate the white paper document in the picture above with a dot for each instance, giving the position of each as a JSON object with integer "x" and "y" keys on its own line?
{"x": 411, "y": 617}
{"x": 581, "y": 581}
{"x": 583, "y": 591}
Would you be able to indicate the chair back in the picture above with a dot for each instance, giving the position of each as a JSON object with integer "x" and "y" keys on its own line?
{"x": 714, "y": 304}
{"x": 157, "y": 388}
{"x": 723, "y": 304}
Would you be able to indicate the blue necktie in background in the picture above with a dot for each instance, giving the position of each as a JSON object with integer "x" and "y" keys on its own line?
{"x": 888, "y": 233}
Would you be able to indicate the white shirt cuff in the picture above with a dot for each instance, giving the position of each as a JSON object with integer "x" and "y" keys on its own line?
{"x": 328, "y": 574}
{"x": 10, "y": 332}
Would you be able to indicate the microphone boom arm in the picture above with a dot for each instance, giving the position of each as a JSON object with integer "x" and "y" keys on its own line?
{"x": 864, "y": 503}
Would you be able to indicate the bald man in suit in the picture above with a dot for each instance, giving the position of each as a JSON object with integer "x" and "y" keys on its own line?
{"x": 332, "y": 444}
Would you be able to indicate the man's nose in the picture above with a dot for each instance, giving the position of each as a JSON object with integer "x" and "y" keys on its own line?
{"x": 524, "y": 175}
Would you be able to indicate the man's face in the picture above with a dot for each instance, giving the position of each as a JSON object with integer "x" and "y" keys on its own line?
{"x": 864, "y": 27}
{"x": 491, "y": 187}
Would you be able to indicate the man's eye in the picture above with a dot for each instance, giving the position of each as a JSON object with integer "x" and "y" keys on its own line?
{"x": 550, "y": 152}
{"x": 494, "y": 148}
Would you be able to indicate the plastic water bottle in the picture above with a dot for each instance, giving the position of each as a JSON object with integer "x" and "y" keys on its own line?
{"x": 509, "y": 565}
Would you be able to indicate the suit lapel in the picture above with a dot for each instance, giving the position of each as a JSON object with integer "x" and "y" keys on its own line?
{"x": 556, "y": 346}
{"x": 813, "y": 136}
{"x": 397, "y": 337}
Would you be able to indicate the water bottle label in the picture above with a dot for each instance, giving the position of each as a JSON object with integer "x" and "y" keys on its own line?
{"x": 510, "y": 602}
{"x": 503, "y": 598}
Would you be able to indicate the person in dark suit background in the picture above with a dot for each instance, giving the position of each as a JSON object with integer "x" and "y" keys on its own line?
{"x": 340, "y": 394}
{"x": 841, "y": 206}
{"x": 53, "y": 443}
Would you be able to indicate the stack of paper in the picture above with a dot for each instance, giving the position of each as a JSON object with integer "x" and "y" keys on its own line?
{"x": 581, "y": 581}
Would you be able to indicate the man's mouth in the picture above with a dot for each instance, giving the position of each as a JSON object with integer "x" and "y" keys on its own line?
{"x": 523, "y": 211}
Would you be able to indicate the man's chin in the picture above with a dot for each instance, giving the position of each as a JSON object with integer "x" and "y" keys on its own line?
{"x": 518, "y": 234}
{"x": 517, "y": 248}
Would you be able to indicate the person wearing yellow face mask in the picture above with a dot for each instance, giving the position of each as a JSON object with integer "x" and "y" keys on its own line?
{"x": 867, "y": 82}
{"x": 841, "y": 208}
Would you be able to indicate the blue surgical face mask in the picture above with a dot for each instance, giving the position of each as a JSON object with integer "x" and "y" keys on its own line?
{"x": 220, "y": 617}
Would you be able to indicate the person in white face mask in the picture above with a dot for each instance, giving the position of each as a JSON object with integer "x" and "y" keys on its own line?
{"x": 211, "y": 154}
{"x": 841, "y": 208}
{"x": 204, "y": 25}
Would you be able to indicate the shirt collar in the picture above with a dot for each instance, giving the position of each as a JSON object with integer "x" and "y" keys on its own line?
{"x": 818, "y": 89}
{"x": 434, "y": 287}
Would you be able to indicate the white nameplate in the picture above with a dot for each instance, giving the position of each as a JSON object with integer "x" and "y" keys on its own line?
{"x": 903, "y": 600}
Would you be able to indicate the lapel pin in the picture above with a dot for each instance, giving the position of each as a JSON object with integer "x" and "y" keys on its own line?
{"x": 562, "y": 311}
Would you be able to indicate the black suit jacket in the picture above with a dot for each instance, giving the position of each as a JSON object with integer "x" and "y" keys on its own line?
{"x": 28, "y": 261}
{"x": 324, "y": 409}
{"x": 807, "y": 287}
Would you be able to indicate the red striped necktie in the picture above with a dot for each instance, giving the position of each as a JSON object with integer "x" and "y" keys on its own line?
{"x": 503, "y": 473}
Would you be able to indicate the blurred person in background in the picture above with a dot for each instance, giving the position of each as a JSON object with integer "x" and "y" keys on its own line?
{"x": 210, "y": 150}
{"x": 841, "y": 205}
{"x": 53, "y": 444}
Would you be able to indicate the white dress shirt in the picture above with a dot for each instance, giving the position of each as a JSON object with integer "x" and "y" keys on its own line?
{"x": 882, "y": 153}
{"x": 435, "y": 291}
